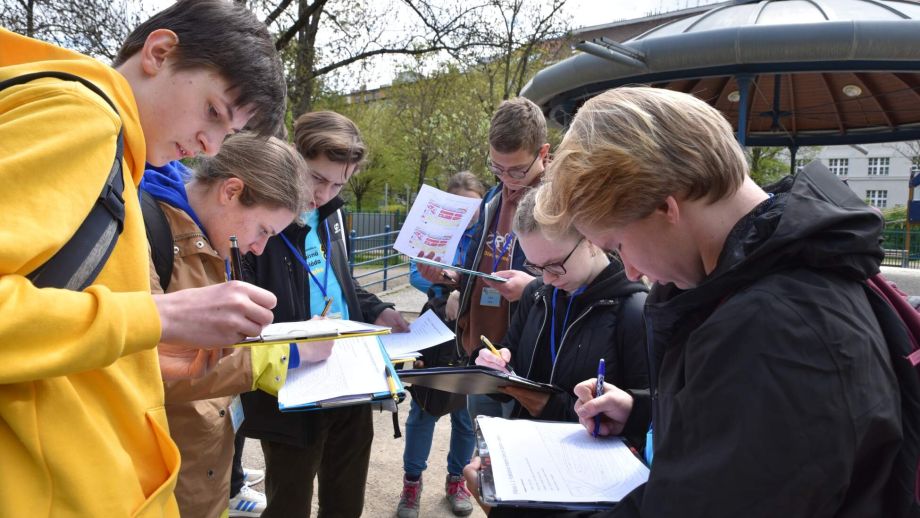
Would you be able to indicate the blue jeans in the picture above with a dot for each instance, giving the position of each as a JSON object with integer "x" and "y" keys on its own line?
{"x": 420, "y": 431}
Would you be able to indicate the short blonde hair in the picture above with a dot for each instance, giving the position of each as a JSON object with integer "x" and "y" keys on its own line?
{"x": 630, "y": 148}
{"x": 274, "y": 175}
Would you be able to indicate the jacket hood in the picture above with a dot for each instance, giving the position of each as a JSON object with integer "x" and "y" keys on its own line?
{"x": 167, "y": 184}
{"x": 811, "y": 220}
{"x": 20, "y": 55}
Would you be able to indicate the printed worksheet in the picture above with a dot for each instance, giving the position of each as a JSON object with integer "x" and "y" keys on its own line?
{"x": 558, "y": 462}
{"x": 435, "y": 223}
{"x": 355, "y": 367}
{"x": 427, "y": 331}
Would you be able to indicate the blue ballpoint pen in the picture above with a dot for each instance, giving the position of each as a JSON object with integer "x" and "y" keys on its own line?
{"x": 598, "y": 392}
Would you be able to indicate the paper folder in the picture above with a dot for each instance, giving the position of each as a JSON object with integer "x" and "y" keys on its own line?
{"x": 313, "y": 331}
{"x": 471, "y": 380}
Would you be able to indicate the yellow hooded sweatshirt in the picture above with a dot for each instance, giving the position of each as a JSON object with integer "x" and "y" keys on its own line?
{"x": 82, "y": 426}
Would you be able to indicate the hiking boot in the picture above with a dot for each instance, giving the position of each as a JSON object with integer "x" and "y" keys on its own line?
{"x": 247, "y": 503}
{"x": 409, "y": 499}
{"x": 460, "y": 499}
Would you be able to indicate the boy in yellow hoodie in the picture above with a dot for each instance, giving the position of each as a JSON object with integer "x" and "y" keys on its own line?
{"x": 82, "y": 425}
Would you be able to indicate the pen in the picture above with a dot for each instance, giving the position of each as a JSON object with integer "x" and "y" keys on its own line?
{"x": 326, "y": 308}
{"x": 236, "y": 260}
{"x": 495, "y": 351}
{"x": 391, "y": 383}
{"x": 598, "y": 392}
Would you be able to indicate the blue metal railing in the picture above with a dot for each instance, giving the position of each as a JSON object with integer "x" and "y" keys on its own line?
{"x": 378, "y": 248}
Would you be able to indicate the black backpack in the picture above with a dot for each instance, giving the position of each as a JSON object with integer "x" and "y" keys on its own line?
{"x": 77, "y": 264}
{"x": 160, "y": 237}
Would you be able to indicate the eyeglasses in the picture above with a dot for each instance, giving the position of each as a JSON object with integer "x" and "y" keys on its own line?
{"x": 557, "y": 269}
{"x": 512, "y": 172}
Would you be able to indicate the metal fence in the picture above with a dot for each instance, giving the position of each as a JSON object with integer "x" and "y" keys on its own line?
{"x": 370, "y": 247}
{"x": 896, "y": 254}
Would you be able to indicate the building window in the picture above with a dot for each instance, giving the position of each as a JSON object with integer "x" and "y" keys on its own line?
{"x": 877, "y": 198}
{"x": 839, "y": 166}
{"x": 879, "y": 166}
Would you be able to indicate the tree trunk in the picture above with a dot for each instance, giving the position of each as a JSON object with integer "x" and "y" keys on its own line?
{"x": 301, "y": 91}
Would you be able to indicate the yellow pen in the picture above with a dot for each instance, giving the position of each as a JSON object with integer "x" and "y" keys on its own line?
{"x": 392, "y": 384}
{"x": 494, "y": 351}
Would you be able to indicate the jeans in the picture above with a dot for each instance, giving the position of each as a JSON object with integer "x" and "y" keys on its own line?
{"x": 419, "y": 433}
{"x": 481, "y": 404}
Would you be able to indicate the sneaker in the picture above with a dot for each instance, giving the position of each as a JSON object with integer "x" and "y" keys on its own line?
{"x": 248, "y": 502}
{"x": 458, "y": 496}
{"x": 409, "y": 499}
{"x": 252, "y": 477}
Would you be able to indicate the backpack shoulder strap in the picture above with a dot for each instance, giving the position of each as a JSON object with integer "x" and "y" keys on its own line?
{"x": 77, "y": 264}
{"x": 160, "y": 237}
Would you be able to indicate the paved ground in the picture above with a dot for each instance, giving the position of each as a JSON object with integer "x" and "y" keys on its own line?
{"x": 385, "y": 474}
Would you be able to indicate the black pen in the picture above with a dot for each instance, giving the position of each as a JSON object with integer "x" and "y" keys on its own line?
{"x": 236, "y": 260}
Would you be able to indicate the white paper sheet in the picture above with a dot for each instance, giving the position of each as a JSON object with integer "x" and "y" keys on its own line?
{"x": 435, "y": 223}
{"x": 312, "y": 328}
{"x": 558, "y": 462}
{"x": 354, "y": 367}
{"x": 427, "y": 331}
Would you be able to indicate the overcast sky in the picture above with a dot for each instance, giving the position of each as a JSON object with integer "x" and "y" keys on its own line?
{"x": 596, "y": 12}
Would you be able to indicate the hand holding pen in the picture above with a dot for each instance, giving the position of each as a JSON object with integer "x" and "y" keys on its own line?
{"x": 612, "y": 407}
{"x": 493, "y": 358}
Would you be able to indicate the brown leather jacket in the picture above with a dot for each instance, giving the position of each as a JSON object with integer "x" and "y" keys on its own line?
{"x": 198, "y": 409}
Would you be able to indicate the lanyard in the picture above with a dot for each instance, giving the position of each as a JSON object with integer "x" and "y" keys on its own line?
{"x": 497, "y": 258}
{"x": 322, "y": 287}
{"x": 552, "y": 332}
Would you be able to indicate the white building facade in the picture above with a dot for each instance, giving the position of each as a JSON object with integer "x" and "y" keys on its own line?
{"x": 878, "y": 173}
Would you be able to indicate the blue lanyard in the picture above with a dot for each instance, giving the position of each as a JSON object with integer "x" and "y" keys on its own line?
{"x": 322, "y": 287}
{"x": 552, "y": 332}
{"x": 497, "y": 258}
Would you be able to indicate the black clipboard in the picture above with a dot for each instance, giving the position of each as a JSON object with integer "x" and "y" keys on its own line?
{"x": 471, "y": 380}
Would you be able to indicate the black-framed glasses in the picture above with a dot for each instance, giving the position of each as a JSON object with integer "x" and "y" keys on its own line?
{"x": 557, "y": 269}
{"x": 512, "y": 172}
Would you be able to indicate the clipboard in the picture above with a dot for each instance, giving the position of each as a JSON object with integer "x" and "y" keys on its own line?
{"x": 459, "y": 269}
{"x": 312, "y": 331}
{"x": 488, "y": 493}
{"x": 288, "y": 400}
{"x": 471, "y": 380}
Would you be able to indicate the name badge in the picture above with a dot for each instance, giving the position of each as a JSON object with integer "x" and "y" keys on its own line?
{"x": 490, "y": 297}
{"x": 236, "y": 413}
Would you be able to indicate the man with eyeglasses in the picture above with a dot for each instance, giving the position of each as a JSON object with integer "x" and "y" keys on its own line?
{"x": 518, "y": 154}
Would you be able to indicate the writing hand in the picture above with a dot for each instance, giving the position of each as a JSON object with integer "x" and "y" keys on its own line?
{"x": 214, "y": 316}
{"x": 393, "y": 319}
{"x": 488, "y": 359}
{"x": 614, "y": 407}
{"x": 511, "y": 290}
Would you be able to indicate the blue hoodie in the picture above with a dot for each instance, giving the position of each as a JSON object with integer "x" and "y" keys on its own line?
{"x": 167, "y": 184}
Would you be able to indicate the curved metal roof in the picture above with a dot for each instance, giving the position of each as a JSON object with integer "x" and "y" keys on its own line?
{"x": 809, "y": 72}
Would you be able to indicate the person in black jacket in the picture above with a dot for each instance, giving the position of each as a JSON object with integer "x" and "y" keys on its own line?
{"x": 773, "y": 392}
{"x": 304, "y": 267}
{"x": 581, "y": 310}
